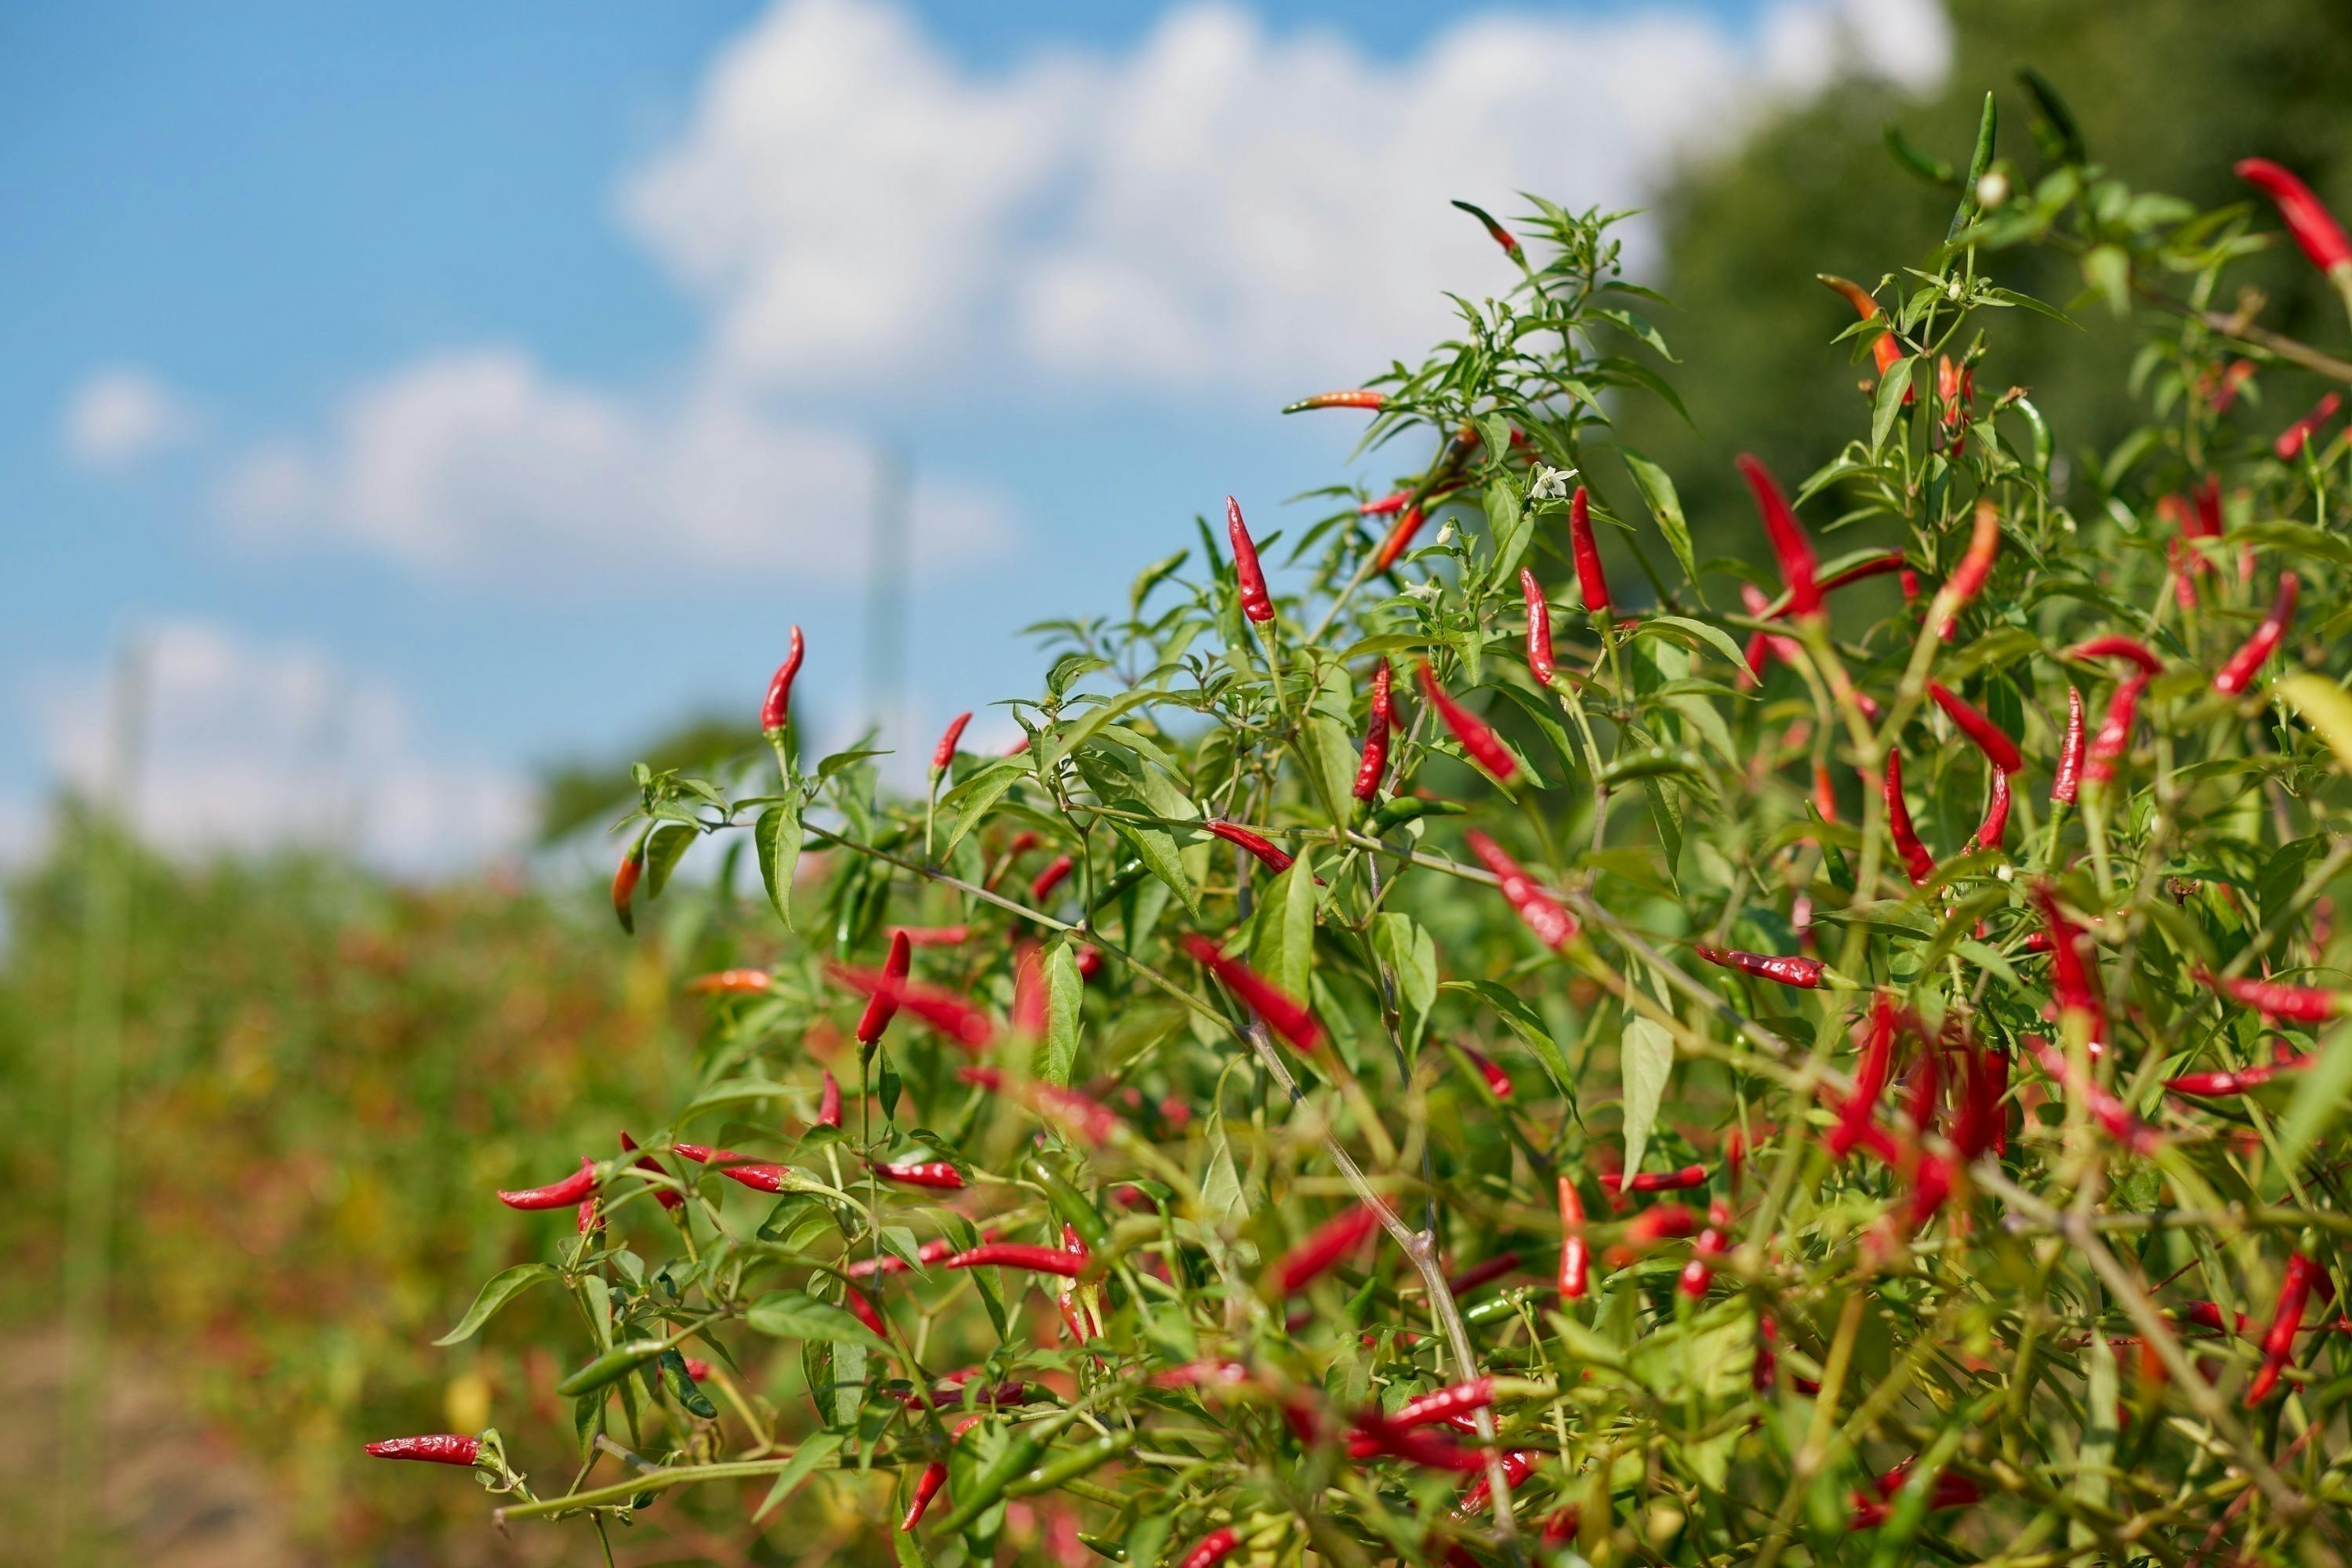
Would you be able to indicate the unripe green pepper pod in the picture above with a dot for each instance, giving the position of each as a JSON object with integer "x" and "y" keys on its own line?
{"x": 1398, "y": 810}
{"x": 1075, "y": 1208}
{"x": 681, "y": 1383}
{"x": 1071, "y": 1465}
{"x": 1003, "y": 1471}
{"x": 615, "y": 1363}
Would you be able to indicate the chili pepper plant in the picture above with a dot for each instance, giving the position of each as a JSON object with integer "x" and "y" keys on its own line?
{"x": 1836, "y": 1062}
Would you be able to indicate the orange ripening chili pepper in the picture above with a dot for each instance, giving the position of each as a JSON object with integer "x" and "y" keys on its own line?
{"x": 938, "y": 936}
{"x": 1883, "y": 349}
{"x": 1918, "y": 863}
{"x": 779, "y": 704}
{"x": 1995, "y": 825}
{"x": 1539, "y": 662}
{"x": 1589, "y": 580}
{"x": 1968, "y": 578}
{"x": 1363, "y": 398}
{"x": 949, "y": 1014}
{"x": 828, "y": 1103}
{"x": 2113, "y": 738}
{"x": 944, "y": 752}
{"x": 2303, "y": 1277}
{"x": 1997, "y": 748}
{"x": 2069, "y": 782}
{"x": 624, "y": 885}
{"x": 1483, "y": 745}
{"x": 1330, "y": 1245}
{"x": 1046, "y": 881}
{"x": 1789, "y": 548}
{"x": 2314, "y": 229}
{"x": 882, "y": 1006}
{"x": 1553, "y": 925}
{"x": 1250, "y": 577}
{"x": 2235, "y": 675}
{"x": 1375, "y": 761}
{"x": 2276, "y": 999}
{"x": 731, "y": 982}
{"x": 1496, "y": 232}
{"x": 1282, "y": 1012}
{"x": 439, "y": 1448}
{"x": 1242, "y": 838}
{"x": 1805, "y": 973}
{"x": 1399, "y": 538}
{"x": 1575, "y": 1252}
{"x": 2295, "y": 438}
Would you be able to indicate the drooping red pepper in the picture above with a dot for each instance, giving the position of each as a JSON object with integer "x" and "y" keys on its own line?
{"x": 1242, "y": 838}
{"x": 2276, "y": 999}
{"x": 1014, "y": 1254}
{"x": 1762, "y": 643}
{"x": 1948, "y": 1491}
{"x": 939, "y": 1173}
{"x": 1256, "y": 604}
{"x": 927, "y": 1487}
{"x": 1496, "y": 232}
{"x": 779, "y": 704}
{"x": 2251, "y": 655}
{"x": 1375, "y": 1436}
{"x": 1539, "y": 662}
{"x": 439, "y": 1448}
{"x": 2236, "y": 1080}
{"x": 1883, "y": 349}
{"x": 1375, "y": 761}
{"x": 1486, "y": 1269}
{"x": 1918, "y": 863}
{"x": 1517, "y": 1465}
{"x": 1445, "y": 1404}
{"x": 1997, "y": 748}
{"x": 1032, "y": 1010}
{"x": 938, "y": 936}
{"x": 930, "y": 1252}
{"x": 1211, "y": 1550}
{"x": 1871, "y": 1077}
{"x": 862, "y": 1306}
{"x": 1805, "y": 973}
{"x": 1575, "y": 1252}
{"x": 1498, "y": 1080}
{"x": 668, "y": 1198}
{"x": 1399, "y": 538}
{"x": 2295, "y": 438}
{"x": 624, "y": 885}
{"x": 1332, "y": 1244}
{"x": 949, "y": 1014}
{"x": 1995, "y": 825}
{"x": 731, "y": 982}
{"x": 2116, "y": 646}
{"x": 1590, "y": 579}
{"x": 562, "y": 1195}
{"x": 2113, "y": 738}
{"x": 2303, "y": 1277}
{"x": 1887, "y": 564}
{"x": 828, "y": 1103}
{"x": 1395, "y": 500}
{"x": 1664, "y": 1222}
{"x": 1484, "y": 746}
{"x": 1282, "y": 1012}
{"x": 2314, "y": 229}
{"x": 1077, "y": 1112}
{"x": 1553, "y": 925}
{"x": 2072, "y": 985}
{"x": 1042, "y": 886}
{"x": 1677, "y": 1181}
{"x": 2069, "y": 782}
{"x": 1790, "y": 547}
{"x": 883, "y": 1005}
{"x": 2110, "y": 1113}
{"x": 1361, "y": 397}
{"x": 943, "y": 754}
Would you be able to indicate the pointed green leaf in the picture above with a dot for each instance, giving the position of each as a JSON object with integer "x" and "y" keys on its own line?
{"x": 503, "y": 1289}
{"x": 777, "y": 837}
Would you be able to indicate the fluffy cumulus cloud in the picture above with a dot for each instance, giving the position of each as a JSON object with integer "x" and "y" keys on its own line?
{"x": 242, "y": 745}
{"x": 1222, "y": 204}
{"x": 481, "y": 464}
{"x": 120, "y": 417}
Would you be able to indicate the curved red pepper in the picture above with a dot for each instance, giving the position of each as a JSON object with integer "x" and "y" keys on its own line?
{"x": 1997, "y": 748}
{"x": 2069, "y": 782}
{"x": 1046, "y": 881}
{"x": 1211, "y": 1550}
{"x": 439, "y": 1448}
{"x": 1361, "y": 397}
{"x": 1805, "y": 973}
{"x": 2116, "y": 646}
{"x": 1078, "y": 1112}
{"x": 2314, "y": 229}
{"x": 1883, "y": 349}
{"x": 883, "y": 1005}
{"x": 1918, "y": 863}
{"x": 2113, "y": 738}
{"x": 2235, "y": 1081}
{"x": 1995, "y": 825}
{"x": 625, "y": 885}
{"x": 1887, "y": 564}
{"x": 1517, "y": 1465}
{"x": 668, "y": 1198}
{"x": 1014, "y": 1254}
{"x": 1486, "y": 1269}
{"x": 1242, "y": 838}
{"x": 944, "y": 752}
{"x": 927, "y": 1487}
{"x": 828, "y": 1104}
{"x": 930, "y": 1252}
{"x": 2235, "y": 675}
{"x": 1282, "y": 1012}
{"x": 1575, "y": 1252}
{"x": 2303, "y": 1277}
{"x": 731, "y": 982}
{"x": 778, "y": 706}
{"x": 862, "y": 1306}
{"x": 1969, "y": 577}
{"x": 950, "y": 1015}
{"x": 2276, "y": 999}
{"x": 938, "y": 936}
{"x": 1872, "y": 1075}
{"x": 1553, "y": 925}
{"x": 1375, "y": 759}
{"x": 1256, "y": 604}
{"x": 2293, "y": 440}
{"x": 1539, "y": 662}
{"x": 1677, "y": 1181}
{"x": 1331, "y": 1243}
{"x": 1589, "y": 580}
{"x": 1399, "y": 538}
{"x": 560, "y": 1194}
{"x": 1790, "y": 547}
{"x": 1484, "y": 746}
{"x": 936, "y": 1173}
{"x": 2108, "y": 1111}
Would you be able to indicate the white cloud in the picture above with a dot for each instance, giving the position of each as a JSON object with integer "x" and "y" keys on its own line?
{"x": 245, "y": 746}
{"x": 120, "y": 417}
{"x": 1220, "y": 204}
{"x": 480, "y": 464}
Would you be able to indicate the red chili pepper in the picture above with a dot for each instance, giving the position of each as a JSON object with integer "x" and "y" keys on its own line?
{"x": 1517, "y": 1465}
{"x": 2116, "y": 645}
{"x": 936, "y": 1173}
{"x": 1374, "y": 1437}
{"x": 945, "y": 751}
{"x": 1091, "y": 963}
{"x": 1918, "y": 863}
{"x": 1948, "y": 1491}
{"x": 937, "y": 936}
{"x": 1496, "y": 232}
{"x": 757, "y": 1174}
{"x": 779, "y": 704}
{"x": 1871, "y": 1077}
{"x": 2069, "y": 782}
{"x": 1497, "y": 1080}
{"x": 867, "y": 1312}
{"x": 1968, "y": 578}
{"x": 1553, "y": 925}
{"x": 2113, "y": 738}
{"x": 2276, "y": 999}
{"x": 1077, "y": 1112}
{"x": 1590, "y": 579}
{"x": 1013, "y": 1255}
{"x": 1241, "y": 837}
{"x": 2234, "y": 675}
{"x": 1399, "y": 538}
{"x": 440, "y": 1448}
{"x": 590, "y": 1217}
{"x": 1375, "y": 759}
{"x": 1665, "y": 1222}
{"x": 1980, "y": 1122}
{"x": 1250, "y": 577}
{"x": 1883, "y": 565}
{"x": 1997, "y": 748}
{"x": 1995, "y": 825}
{"x": 1484, "y": 746}
{"x": 1883, "y": 349}
{"x": 950, "y": 1015}
{"x": 927, "y": 1487}
{"x": 1680, "y": 1181}
{"x": 668, "y": 1198}
{"x": 2071, "y": 986}
{"x": 1211, "y": 1550}
{"x": 2303, "y": 1277}
{"x": 1032, "y": 1011}
{"x": 2314, "y": 229}
{"x": 624, "y": 885}
{"x": 1575, "y": 1252}
{"x": 1540, "y": 664}
{"x": 883, "y": 1005}
{"x": 1762, "y": 643}
{"x": 2238, "y": 1080}
{"x": 828, "y": 1104}
{"x": 560, "y": 1194}
{"x": 1050, "y": 878}
{"x": 930, "y": 1252}
{"x": 1805, "y": 973}
{"x": 1360, "y": 399}
{"x": 2108, "y": 1111}
{"x": 1331, "y": 1243}
{"x": 1764, "y": 1371}
{"x": 1464, "y": 1281}
{"x": 731, "y": 982}
{"x": 2292, "y": 440}
{"x": 1282, "y": 1012}
{"x": 1787, "y": 538}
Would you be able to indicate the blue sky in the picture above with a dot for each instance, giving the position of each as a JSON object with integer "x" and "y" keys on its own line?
{"x": 438, "y": 390}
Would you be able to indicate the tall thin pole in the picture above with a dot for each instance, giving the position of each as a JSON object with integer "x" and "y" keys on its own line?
{"x": 888, "y": 539}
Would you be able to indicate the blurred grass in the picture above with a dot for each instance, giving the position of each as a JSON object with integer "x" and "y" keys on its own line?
{"x": 325, "y": 1076}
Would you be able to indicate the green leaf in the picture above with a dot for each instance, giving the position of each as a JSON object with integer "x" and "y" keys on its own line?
{"x": 976, "y": 794}
{"x": 2326, "y": 706}
{"x": 1646, "y": 1060}
{"x": 1064, "y": 993}
{"x": 503, "y": 1289}
{"x": 813, "y": 1451}
{"x": 2320, "y": 1093}
{"x": 1658, "y": 494}
{"x": 665, "y": 847}
{"x": 1713, "y": 636}
{"x": 797, "y": 1315}
{"x": 777, "y": 837}
{"x": 1888, "y": 407}
{"x": 1282, "y": 946}
{"x": 1411, "y": 954}
{"x": 1508, "y": 528}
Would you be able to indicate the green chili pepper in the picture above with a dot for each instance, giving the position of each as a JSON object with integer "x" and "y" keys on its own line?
{"x": 1649, "y": 762}
{"x": 1506, "y": 1305}
{"x": 616, "y": 1362}
{"x": 2065, "y": 130}
{"x": 1832, "y": 858}
{"x": 1072, "y": 1465}
{"x": 2041, "y": 429}
{"x": 1003, "y": 1471}
{"x": 1978, "y": 164}
{"x": 1934, "y": 171}
{"x": 1400, "y": 809}
{"x": 1076, "y": 1210}
{"x": 682, "y": 1384}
